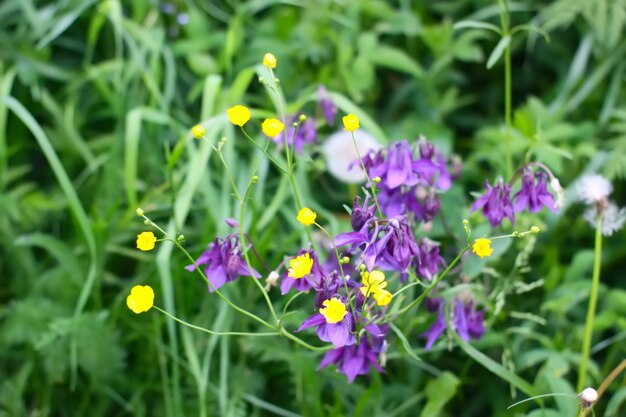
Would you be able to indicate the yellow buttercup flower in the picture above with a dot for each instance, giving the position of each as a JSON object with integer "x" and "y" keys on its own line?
{"x": 373, "y": 282}
{"x": 383, "y": 297}
{"x": 306, "y": 216}
{"x": 482, "y": 247}
{"x": 269, "y": 60}
{"x": 272, "y": 127}
{"x": 300, "y": 266}
{"x": 350, "y": 122}
{"x": 238, "y": 115}
{"x": 334, "y": 310}
{"x": 146, "y": 241}
{"x": 198, "y": 131}
{"x": 141, "y": 299}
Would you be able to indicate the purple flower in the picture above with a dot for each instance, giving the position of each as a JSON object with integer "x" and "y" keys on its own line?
{"x": 466, "y": 321}
{"x": 304, "y": 133}
{"x": 339, "y": 334}
{"x": 535, "y": 197}
{"x": 496, "y": 203}
{"x": 428, "y": 262}
{"x": 304, "y": 283}
{"x": 224, "y": 262}
{"x": 353, "y": 360}
{"x": 361, "y": 214}
{"x": 328, "y": 107}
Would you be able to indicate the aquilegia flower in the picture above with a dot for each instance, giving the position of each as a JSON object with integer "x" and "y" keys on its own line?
{"x": 465, "y": 320}
{"x": 496, "y": 203}
{"x": 334, "y": 323}
{"x": 428, "y": 262}
{"x": 224, "y": 262}
{"x": 534, "y": 196}
{"x": 328, "y": 107}
{"x": 353, "y": 360}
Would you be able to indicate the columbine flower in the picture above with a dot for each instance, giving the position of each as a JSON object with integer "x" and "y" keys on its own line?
{"x": 300, "y": 266}
{"x": 146, "y": 241}
{"x": 350, "y": 122}
{"x": 334, "y": 310}
{"x": 328, "y": 107}
{"x": 482, "y": 247}
{"x": 304, "y": 133}
{"x": 272, "y": 127}
{"x": 466, "y": 321}
{"x": 531, "y": 196}
{"x": 353, "y": 360}
{"x": 333, "y": 322}
{"x": 269, "y": 60}
{"x": 306, "y": 216}
{"x": 224, "y": 262}
{"x": 238, "y": 115}
{"x": 613, "y": 218}
{"x": 198, "y": 131}
{"x": 496, "y": 203}
{"x": 140, "y": 299}
{"x": 429, "y": 259}
{"x": 594, "y": 189}
{"x": 361, "y": 214}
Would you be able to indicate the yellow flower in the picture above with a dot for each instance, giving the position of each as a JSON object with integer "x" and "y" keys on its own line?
{"x": 198, "y": 131}
{"x": 306, "y": 216}
{"x": 300, "y": 266}
{"x": 238, "y": 115}
{"x": 334, "y": 310}
{"x": 272, "y": 127}
{"x": 383, "y": 297}
{"x": 350, "y": 122}
{"x": 141, "y": 299}
{"x": 146, "y": 241}
{"x": 373, "y": 282}
{"x": 482, "y": 247}
{"x": 269, "y": 60}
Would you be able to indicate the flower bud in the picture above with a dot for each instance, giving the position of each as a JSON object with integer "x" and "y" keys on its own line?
{"x": 139, "y": 212}
{"x": 344, "y": 260}
{"x": 376, "y": 180}
{"x": 535, "y": 229}
{"x": 181, "y": 238}
{"x": 302, "y": 118}
{"x": 255, "y": 179}
{"x": 588, "y": 396}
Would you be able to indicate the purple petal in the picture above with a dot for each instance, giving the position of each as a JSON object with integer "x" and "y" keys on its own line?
{"x": 311, "y": 321}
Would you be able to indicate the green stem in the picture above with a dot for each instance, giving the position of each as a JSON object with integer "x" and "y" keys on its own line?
{"x": 591, "y": 311}
{"x": 202, "y": 329}
{"x": 505, "y": 23}
{"x": 434, "y": 284}
{"x": 303, "y": 343}
{"x": 372, "y": 185}
{"x": 272, "y": 160}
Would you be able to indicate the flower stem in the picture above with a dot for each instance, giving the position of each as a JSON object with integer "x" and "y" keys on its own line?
{"x": 505, "y": 24}
{"x": 369, "y": 181}
{"x": 593, "y": 299}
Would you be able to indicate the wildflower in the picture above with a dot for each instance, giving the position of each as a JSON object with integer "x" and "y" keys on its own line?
{"x": 146, "y": 241}
{"x": 269, "y": 60}
{"x": 140, "y": 299}
{"x": 272, "y": 127}
{"x": 198, "y": 131}
{"x": 304, "y": 133}
{"x": 496, "y": 203}
{"x": 466, "y": 321}
{"x": 482, "y": 247}
{"x": 341, "y": 155}
{"x": 350, "y": 122}
{"x": 300, "y": 266}
{"x": 535, "y": 197}
{"x": 224, "y": 262}
{"x": 328, "y": 107}
{"x": 238, "y": 115}
{"x": 306, "y": 216}
{"x": 429, "y": 259}
{"x": 382, "y": 297}
{"x": 558, "y": 190}
{"x": 361, "y": 214}
{"x": 334, "y": 310}
{"x": 613, "y": 217}
{"x": 594, "y": 189}
{"x": 353, "y": 360}
{"x": 587, "y": 397}
{"x": 373, "y": 282}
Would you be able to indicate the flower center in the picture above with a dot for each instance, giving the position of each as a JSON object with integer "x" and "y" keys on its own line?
{"x": 334, "y": 310}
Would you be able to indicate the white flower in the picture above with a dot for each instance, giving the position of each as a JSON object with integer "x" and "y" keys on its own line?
{"x": 588, "y": 396}
{"x": 613, "y": 218}
{"x": 339, "y": 153}
{"x": 593, "y": 188}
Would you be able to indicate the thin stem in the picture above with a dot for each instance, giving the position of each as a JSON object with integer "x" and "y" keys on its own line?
{"x": 272, "y": 160}
{"x": 505, "y": 23}
{"x": 593, "y": 299}
{"x": 369, "y": 181}
{"x": 434, "y": 284}
{"x": 607, "y": 381}
{"x": 202, "y": 329}
{"x": 230, "y": 176}
{"x": 303, "y": 343}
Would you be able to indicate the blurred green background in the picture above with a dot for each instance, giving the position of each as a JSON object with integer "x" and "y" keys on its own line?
{"x": 98, "y": 98}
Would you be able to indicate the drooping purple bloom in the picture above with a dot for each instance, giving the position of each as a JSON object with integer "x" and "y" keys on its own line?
{"x": 328, "y": 107}
{"x": 466, "y": 321}
{"x": 401, "y": 247}
{"x": 428, "y": 262}
{"x": 496, "y": 203}
{"x": 353, "y": 360}
{"x": 224, "y": 262}
{"x": 304, "y": 133}
{"x": 531, "y": 196}
{"x": 361, "y": 214}
{"x": 305, "y": 283}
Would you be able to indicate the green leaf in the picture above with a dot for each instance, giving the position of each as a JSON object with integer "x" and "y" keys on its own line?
{"x": 498, "y": 51}
{"x": 615, "y": 403}
{"x": 396, "y": 59}
{"x": 474, "y": 24}
{"x": 405, "y": 343}
{"x": 438, "y": 392}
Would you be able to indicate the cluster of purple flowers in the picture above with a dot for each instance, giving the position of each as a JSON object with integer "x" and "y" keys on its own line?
{"x": 497, "y": 204}
{"x": 409, "y": 184}
{"x": 465, "y": 320}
